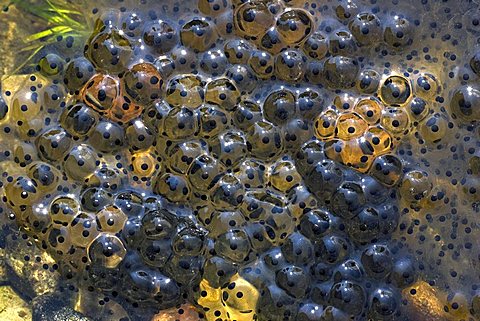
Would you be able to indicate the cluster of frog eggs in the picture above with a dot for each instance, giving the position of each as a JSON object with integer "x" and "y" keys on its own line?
{"x": 357, "y": 132}
{"x": 190, "y": 191}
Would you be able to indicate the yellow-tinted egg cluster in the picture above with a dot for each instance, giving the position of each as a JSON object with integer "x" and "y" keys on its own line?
{"x": 236, "y": 300}
{"x": 61, "y": 227}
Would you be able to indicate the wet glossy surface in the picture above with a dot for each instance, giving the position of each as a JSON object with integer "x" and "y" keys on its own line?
{"x": 252, "y": 160}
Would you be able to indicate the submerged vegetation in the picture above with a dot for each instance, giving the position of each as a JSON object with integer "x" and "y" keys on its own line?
{"x": 58, "y": 18}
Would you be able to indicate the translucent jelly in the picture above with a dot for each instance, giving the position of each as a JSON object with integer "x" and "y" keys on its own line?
{"x": 239, "y": 160}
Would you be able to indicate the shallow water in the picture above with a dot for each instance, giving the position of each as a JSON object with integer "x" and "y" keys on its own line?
{"x": 235, "y": 160}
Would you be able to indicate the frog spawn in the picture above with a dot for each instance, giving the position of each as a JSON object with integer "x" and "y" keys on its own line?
{"x": 222, "y": 145}
{"x": 357, "y": 132}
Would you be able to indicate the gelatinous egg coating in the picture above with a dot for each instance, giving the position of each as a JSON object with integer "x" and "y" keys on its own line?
{"x": 254, "y": 160}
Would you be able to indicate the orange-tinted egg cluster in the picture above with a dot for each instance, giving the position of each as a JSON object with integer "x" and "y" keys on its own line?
{"x": 123, "y": 100}
{"x": 358, "y": 130}
{"x": 354, "y": 138}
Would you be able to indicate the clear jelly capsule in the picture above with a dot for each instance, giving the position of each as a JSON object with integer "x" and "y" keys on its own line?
{"x": 325, "y": 124}
{"x": 174, "y": 188}
{"x": 83, "y": 229}
{"x": 395, "y": 120}
{"x": 283, "y": 176}
{"x": 395, "y": 90}
{"x": 106, "y": 250}
{"x": 101, "y": 92}
{"x": 198, "y": 34}
{"x": 222, "y": 92}
{"x": 264, "y": 140}
{"x": 143, "y": 83}
{"x": 369, "y": 109}
{"x": 294, "y": 26}
{"x": 253, "y": 18}
{"x": 350, "y": 126}
{"x": 182, "y": 154}
{"x": 230, "y": 148}
{"x": 111, "y": 219}
{"x": 185, "y": 90}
